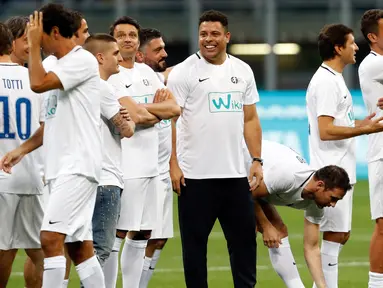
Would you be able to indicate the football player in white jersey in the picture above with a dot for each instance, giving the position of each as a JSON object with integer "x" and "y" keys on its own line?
{"x": 139, "y": 153}
{"x": 218, "y": 94}
{"x": 289, "y": 181}
{"x": 21, "y": 192}
{"x": 106, "y": 212}
{"x": 370, "y": 78}
{"x": 332, "y": 129}
{"x": 73, "y": 156}
{"x": 79, "y": 37}
{"x": 152, "y": 52}
{"x": 19, "y": 55}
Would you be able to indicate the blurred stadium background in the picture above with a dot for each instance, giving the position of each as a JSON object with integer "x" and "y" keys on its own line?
{"x": 277, "y": 38}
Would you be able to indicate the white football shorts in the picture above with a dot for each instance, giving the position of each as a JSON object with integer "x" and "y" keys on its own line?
{"x": 375, "y": 179}
{"x": 21, "y": 217}
{"x": 164, "y": 228}
{"x": 70, "y": 207}
{"x": 138, "y": 204}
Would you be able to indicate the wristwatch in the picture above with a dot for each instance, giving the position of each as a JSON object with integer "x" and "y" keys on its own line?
{"x": 260, "y": 160}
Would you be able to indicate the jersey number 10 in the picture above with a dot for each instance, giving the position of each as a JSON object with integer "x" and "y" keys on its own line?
{"x": 7, "y": 134}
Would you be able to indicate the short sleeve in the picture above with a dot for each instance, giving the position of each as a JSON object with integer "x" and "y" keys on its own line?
{"x": 251, "y": 96}
{"x": 326, "y": 99}
{"x": 376, "y": 69}
{"x": 314, "y": 214}
{"x": 109, "y": 103}
{"x": 75, "y": 68}
{"x": 279, "y": 181}
{"x": 177, "y": 84}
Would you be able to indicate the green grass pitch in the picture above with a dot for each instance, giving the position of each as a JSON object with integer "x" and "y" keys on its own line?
{"x": 353, "y": 260}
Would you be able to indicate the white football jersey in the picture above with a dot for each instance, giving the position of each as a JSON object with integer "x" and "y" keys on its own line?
{"x": 21, "y": 111}
{"x": 285, "y": 174}
{"x": 212, "y": 121}
{"x": 165, "y": 142}
{"x": 371, "y": 84}
{"x": 111, "y": 173}
{"x": 72, "y": 136}
{"x": 140, "y": 152}
{"x": 328, "y": 95}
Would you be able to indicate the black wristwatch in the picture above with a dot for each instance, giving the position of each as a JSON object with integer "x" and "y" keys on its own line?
{"x": 260, "y": 160}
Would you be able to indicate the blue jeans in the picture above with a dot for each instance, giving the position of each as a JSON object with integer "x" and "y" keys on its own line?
{"x": 104, "y": 222}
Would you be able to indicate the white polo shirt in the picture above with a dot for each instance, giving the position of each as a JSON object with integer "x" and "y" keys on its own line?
{"x": 212, "y": 121}
{"x": 371, "y": 84}
{"x": 111, "y": 173}
{"x": 140, "y": 152}
{"x": 72, "y": 138}
{"x": 328, "y": 95}
{"x": 285, "y": 174}
{"x": 21, "y": 112}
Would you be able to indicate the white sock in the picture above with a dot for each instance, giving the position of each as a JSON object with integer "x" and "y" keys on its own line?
{"x": 156, "y": 256}
{"x": 375, "y": 280}
{"x": 144, "y": 281}
{"x": 284, "y": 264}
{"x": 111, "y": 265}
{"x": 330, "y": 253}
{"x": 54, "y": 271}
{"x": 132, "y": 262}
{"x": 90, "y": 273}
{"x": 65, "y": 283}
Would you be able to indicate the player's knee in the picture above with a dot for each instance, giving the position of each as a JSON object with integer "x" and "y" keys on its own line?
{"x": 379, "y": 227}
{"x": 346, "y": 236}
{"x": 51, "y": 243}
{"x": 142, "y": 235}
{"x": 121, "y": 234}
{"x": 160, "y": 243}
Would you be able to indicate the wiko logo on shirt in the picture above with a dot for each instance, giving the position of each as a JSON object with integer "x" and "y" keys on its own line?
{"x": 144, "y": 99}
{"x": 225, "y": 101}
{"x": 164, "y": 123}
{"x": 51, "y": 106}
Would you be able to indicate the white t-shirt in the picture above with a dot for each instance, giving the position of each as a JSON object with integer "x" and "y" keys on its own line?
{"x": 111, "y": 173}
{"x": 328, "y": 95}
{"x": 285, "y": 174}
{"x": 371, "y": 84}
{"x": 72, "y": 137}
{"x": 140, "y": 152}
{"x": 165, "y": 141}
{"x": 21, "y": 111}
{"x": 212, "y": 121}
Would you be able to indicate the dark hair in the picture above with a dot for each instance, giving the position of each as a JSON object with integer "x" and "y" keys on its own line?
{"x": 92, "y": 43}
{"x": 331, "y": 36}
{"x": 369, "y": 22}
{"x": 17, "y": 25}
{"x": 333, "y": 177}
{"x": 5, "y": 40}
{"x": 124, "y": 20}
{"x": 214, "y": 16}
{"x": 148, "y": 34}
{"x": 77, "y": 18}
{"x": 55, "y": 15}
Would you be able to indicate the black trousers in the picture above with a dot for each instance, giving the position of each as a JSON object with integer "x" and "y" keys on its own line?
{"x": 200, "y": 204}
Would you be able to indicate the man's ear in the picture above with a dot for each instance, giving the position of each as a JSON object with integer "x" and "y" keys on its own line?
{"x": 139, "y": 56}
{"x": 100, "y": 58}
